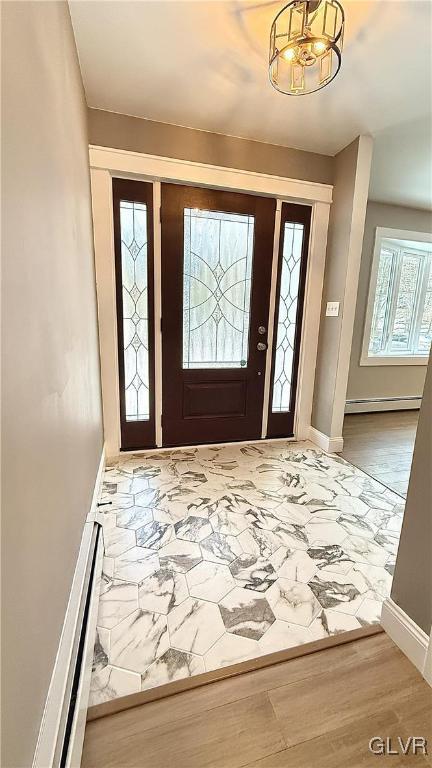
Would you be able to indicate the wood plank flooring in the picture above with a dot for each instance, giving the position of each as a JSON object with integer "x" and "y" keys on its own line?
{"x": 317, "y": 710}
{"x": 382, "y": 445}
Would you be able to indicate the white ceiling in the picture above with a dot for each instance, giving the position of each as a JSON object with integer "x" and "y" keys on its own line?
{"x": 204, "y": 65}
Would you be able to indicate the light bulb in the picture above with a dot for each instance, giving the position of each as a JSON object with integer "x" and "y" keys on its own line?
{"x": 289, "y": 54}
{"x": 320, "y": 46}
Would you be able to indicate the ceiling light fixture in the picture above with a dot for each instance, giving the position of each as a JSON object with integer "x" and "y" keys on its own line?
{"x": 305, "y": 46}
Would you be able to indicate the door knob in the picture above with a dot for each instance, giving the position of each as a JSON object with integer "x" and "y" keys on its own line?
{"x": 261, "y": 346}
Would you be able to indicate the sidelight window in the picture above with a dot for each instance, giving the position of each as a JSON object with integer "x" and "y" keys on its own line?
{"x": 293, "y": 234}
{"x": 133, "y": 233}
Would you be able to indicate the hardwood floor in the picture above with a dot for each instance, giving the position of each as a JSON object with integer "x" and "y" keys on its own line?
{"x": 382, "y": 445}
{"x": 318, "y": 710}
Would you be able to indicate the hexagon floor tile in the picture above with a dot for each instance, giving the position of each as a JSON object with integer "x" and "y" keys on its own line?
{"x": 246, "y": 613}
{"x": 210, "y": 581}
{"x": 195, "y": 625}
{"x": 221, "y": 554}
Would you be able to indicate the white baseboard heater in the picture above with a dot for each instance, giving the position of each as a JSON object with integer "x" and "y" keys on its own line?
{"x": 372, "y": 404}
{"x": 62, "y": 729}
{"x": 71, "y": 737}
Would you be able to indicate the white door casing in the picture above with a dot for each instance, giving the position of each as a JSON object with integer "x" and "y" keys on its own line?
{"x": 108, "y": 163}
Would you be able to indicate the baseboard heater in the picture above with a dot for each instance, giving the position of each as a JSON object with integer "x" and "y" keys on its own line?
{"x": 371, "y": 404}
{"x": 74, "y": 715}
{"x": 61, "y": 735}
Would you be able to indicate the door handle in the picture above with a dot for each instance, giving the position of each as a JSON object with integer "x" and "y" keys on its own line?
{"x": 261, "y": 346}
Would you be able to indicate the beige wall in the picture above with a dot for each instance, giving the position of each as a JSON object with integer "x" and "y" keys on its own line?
{"x": 352, "y": 171}
{"x": 52, "y": 434}
{"x": 108, "y": 129}
{"x": 412, "y": 582}
{"x": 382, "y": 381}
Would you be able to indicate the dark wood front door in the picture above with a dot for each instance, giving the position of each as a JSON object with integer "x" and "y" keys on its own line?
{"x": 216, "y": 272}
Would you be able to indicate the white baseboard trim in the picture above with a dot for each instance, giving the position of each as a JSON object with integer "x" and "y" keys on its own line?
{"x": 49, "y": 730}
{"x": 326, "y": 443}
{"x": 373, "y": 404}
{"x": 427, "y": 672}
{"x": 412, "y": 641}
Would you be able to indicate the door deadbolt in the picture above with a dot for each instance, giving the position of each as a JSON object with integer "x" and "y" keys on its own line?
{"x": 261, "y": 346}
{"x": 262, "y": 330}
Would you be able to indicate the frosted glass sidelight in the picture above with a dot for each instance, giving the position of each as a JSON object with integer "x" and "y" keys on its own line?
{"x": 133, "y": 234}
{"x": 217, "y": 277}
{"x": 287, "y": 315}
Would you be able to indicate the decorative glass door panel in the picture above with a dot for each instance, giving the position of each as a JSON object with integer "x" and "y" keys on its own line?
{"x": 134, "y": 275}
{"x": 217, "y": 278}
{"x": 294, "y": 243}
{"x": 287, "y": 316}
{"x": 216, "y": 271}
{"x": 133, "y": 233}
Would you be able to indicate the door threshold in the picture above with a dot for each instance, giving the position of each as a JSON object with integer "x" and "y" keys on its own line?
{"x": 164, "y": 448}
{"x": 250, "y": 665}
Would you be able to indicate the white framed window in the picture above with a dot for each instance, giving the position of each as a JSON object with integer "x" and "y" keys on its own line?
{"x": 398, "y": 326}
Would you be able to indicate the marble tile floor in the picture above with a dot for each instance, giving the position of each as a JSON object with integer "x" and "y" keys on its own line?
{"x": 220, "y": 554}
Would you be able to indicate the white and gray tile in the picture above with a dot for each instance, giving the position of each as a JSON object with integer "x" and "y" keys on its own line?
{"x": 195, "y": 625}
{"x": 210, "y": 581}
{"x": 216, "y": 555}
{"x": 180, "y": 555}
{"x": 172, "y": 665}
{"x": 230, "y": 649}
{"x": 218, "y": 548}
{"x": 282, "y": 635}
{"x": 154, "y": 535}
{"x": 193, "y": 528}
{"x": 134, "y": 517}
{"x": 162, "y": 591}
{"x": 138, "y": 640}
{"x": 117, "y": 602}
{"x": 136, "y": 564}
{"x": 112, "y": 682}
{"x": 293, "y": 601}
{"x": 253, "y": 572}
{"x": 246, "y": 613}
{"x": 331, "y": 622}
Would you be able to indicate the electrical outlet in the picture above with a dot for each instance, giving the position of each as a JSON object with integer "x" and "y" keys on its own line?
{"x": 332, "y": 309}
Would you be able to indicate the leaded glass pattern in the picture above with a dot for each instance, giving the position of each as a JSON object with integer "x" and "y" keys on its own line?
{"x": 287, "y": 315}
{"x": 133, "y": 233}
{"x": 217, "y": 277}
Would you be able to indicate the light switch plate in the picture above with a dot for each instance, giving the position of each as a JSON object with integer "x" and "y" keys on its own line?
{"x": 332, "y": 309}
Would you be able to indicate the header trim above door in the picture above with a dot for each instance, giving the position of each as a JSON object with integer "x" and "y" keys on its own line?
{"x": 154, "y": 167}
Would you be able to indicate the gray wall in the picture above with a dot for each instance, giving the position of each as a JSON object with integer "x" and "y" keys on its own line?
{"x": 412, "y": 582}
{"x": 343, "y": 247}
{"x": 108, "y": 129}
{"x": 383, "y": 381}
{"x": 52, "y": 433}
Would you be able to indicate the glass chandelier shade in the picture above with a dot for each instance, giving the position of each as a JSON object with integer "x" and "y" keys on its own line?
{"x": 306, "y": 46}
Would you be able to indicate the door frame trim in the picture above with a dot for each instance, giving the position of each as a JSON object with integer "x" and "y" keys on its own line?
{"x": 106, "y": 163}
{"x": 158, "y": 168}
